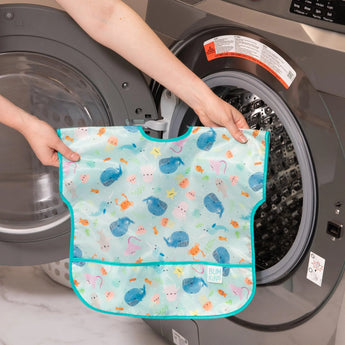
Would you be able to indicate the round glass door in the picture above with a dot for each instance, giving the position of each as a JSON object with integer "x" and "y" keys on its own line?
{"x": 284, "y": 224}
{"x": 60, "y": 95}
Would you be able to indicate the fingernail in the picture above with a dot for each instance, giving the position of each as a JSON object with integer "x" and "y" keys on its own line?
{"x": 75, "y": 156}
{"x": 243, "y": 139}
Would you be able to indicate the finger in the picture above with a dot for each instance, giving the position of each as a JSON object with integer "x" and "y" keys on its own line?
{"x": 66, "y": 151}
{"x": 235, "y": 132}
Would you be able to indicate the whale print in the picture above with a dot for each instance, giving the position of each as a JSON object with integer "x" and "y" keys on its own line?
{"x": 213, "y": 204}
{"x": 155, "y": 206}
{"x": 120, "y": 226}
{"x": 206, "y": 140}
{"x": 256, "y": 181}
{"x": 177, "y": 239}
{"x": 170, "y": 165}
{"x": 134, "y": 296}
{"x": 110, "y": 175}
{"x": 163, "y": 228}
{"x": 222, "y": 256}
{"x": 193, "y": 285}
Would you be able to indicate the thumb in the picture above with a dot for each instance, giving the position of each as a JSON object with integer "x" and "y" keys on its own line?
{"x": 66, "y": 151}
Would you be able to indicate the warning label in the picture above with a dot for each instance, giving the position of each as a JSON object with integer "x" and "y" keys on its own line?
{"x": 316, "y": 267}
{"x": 250, "y": 49}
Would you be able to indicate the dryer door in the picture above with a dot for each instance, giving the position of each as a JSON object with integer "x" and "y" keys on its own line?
{"x": 53, "y": 70}
{"x": 273, "y": 94}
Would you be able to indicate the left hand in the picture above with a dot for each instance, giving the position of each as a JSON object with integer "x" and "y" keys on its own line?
{"x": 45, "y": 142}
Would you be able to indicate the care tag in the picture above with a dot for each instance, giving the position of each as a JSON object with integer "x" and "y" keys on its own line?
{"x": 214, "y": 274}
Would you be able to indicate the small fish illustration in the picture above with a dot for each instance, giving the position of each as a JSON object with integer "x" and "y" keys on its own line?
{"x": 139, "y": 261}
{"x": 199, "y": 169}
{"x": 155, "y": 230}
{"x": 245, "y": 194}
{"x": 221, "y": 238}
{"x": 123, "y": 160}
{"x": 104, "y": 271}
{"x": 96, "y": 191}
{"x": 257, "y": 163}
{"x": 248, "y": 281}
{"x": 195, "y": 130}
{"x": 132, "y": 279}
{"x": 106, "y": 159}
{"x": 76, "y": 283}
{"x": 119, "y": 308}
{"x": 67, "y": 137}
{"x": 83, "y": 221}
{"x": 225, "y": 137}
{"x": 101, "y": 131}
{"x": 222, "y": 293}
{"x": 234, "y": 223}
{"x": 255, "y": 133}
{"x": 148, "y": 281}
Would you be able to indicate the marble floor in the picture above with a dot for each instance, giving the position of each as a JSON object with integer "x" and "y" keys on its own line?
{"x": 35, "y": 310}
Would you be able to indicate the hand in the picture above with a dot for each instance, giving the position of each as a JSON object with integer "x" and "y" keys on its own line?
{"x": 45, "y": 142}
{"x": 216, "y": 112}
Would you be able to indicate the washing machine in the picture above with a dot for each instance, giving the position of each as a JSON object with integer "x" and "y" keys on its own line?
{"x": 51, "y": 68}
{"x": 281, "y": 64}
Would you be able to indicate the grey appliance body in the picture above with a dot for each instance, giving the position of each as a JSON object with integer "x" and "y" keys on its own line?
{"x": 299, "y": 229}
{"x": 51, "y": 68}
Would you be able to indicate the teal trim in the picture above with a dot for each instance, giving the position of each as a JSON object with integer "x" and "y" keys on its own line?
{"x": 158, "y": 263}
{"x": 185, "y": 135}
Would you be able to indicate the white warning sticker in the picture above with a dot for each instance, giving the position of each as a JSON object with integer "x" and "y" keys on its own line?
{"x": 253, "y": 50}
{"x": 316, "y": 268}
{"x": 178, "y": 339}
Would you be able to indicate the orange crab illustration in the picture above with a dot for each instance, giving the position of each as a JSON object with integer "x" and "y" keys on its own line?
{"x": 195, "y": 251}
{"x": 124, "y": 204}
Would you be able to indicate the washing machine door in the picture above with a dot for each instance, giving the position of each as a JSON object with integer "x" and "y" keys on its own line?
{"x": 53, "y": 70}
{"x": 272, "y": 92}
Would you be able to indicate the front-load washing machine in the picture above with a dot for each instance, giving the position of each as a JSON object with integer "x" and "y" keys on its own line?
{"x": 51, "y": 68}
{"x": 282, "y": 67}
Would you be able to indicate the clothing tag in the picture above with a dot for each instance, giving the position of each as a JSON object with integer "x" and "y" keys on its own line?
{"x": 178, "y": 338}
{"x": 215, "y": 274}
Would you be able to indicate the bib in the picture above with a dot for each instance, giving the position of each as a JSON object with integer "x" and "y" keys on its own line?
{"x": 163, "y": 228}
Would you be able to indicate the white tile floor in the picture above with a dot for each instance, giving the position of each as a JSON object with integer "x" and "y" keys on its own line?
{"x": 35, "y": 310}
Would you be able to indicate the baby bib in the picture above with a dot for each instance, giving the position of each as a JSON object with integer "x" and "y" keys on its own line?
{"x": 163, "y": 228}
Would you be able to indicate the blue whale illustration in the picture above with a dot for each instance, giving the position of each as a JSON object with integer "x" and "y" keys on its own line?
{"x": 177, "y": 239}
{"x": 134, "y": 296}
{"x": 110, "y": 175}
{"x": 169, "y": 165}
{"x": 193, "y": 285}
{"x": 213, "y": 204}
{"x": 77, "y": 253}
{"x": 222, "y": 256}
{"x": 256, "y": 181}
{"x": 155, "y": 206}
{"x": 120, "y": 226}
{"x": 206, "y": 140}
{"x": 214, "y": 228}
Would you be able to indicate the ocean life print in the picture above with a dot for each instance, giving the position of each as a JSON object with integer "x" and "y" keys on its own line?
{"x": 110, "y": 175}
{"x": 170, "y": 165}
{"x": 213, "y": 204}
{"x": 163, "y": 228}
{"x": 155, "y": 206}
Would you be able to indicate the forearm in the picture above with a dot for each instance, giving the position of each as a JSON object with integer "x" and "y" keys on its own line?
{"x": 13, "y": 116}
{"x": 115, "y": 25}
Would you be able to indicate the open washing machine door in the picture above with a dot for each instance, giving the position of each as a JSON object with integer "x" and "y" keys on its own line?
{"x": 275, "y": 95}
{"x": 52, "y": 69}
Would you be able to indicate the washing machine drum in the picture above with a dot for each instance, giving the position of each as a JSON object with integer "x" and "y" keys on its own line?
{"x": 284, "y": 224}
{"x": 53, "y": 70}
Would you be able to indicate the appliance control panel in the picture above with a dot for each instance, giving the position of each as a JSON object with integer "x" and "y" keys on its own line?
{"x": 325, "y": 14}
{"x": 329, "y": 11}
